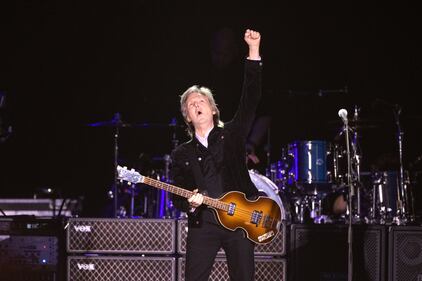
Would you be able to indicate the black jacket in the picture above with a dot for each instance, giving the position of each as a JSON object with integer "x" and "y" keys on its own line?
{"x": 227, "y": 145}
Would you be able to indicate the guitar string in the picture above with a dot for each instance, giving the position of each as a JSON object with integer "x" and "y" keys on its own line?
{"x": 241, "y": 213}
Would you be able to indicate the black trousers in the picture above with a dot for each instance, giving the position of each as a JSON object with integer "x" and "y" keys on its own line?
{"x": 203, "y": 243}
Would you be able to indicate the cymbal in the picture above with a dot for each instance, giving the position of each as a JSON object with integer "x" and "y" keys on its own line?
{"x": 120, "y": 124}
{"x": 110, "y": 123}
{"x": 156, "y": 125}
{"x": 116, "y": 122}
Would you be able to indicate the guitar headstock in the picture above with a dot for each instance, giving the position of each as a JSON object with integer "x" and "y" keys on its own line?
{"x": 130, "y": 176}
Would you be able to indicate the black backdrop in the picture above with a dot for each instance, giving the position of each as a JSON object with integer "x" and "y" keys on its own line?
{"x": 66, "y": 64}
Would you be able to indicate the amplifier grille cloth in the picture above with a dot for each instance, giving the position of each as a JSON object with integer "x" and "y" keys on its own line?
{"x": 266, "y": 269}
{"x": 155, "y": 236}
{"x": 121, "y": 268}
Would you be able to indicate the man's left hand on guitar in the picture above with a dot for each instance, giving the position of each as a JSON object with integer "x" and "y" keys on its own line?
{"x": 196, "y": 199}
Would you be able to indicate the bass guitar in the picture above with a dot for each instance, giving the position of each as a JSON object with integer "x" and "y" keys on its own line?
{"x": 260, "y": 219}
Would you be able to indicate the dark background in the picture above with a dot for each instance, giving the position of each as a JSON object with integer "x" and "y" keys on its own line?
{"x": 67, "y": 64}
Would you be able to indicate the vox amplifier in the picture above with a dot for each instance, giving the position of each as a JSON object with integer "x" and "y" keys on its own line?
{"x": 111, "y": 268}
{"x": 121, "y": 236}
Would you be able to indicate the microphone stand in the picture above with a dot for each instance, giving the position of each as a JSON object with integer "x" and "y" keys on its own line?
{"x": 351, "y": 195}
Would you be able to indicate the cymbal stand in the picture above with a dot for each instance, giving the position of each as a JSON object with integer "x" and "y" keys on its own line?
{"x": 132, "y": 201}
{"x": 356, "y": 165}
{"x": 164, "y": 202}
{"x": 268, "y": 147}
{"x": 168, "y": 209}
{"x": 403, "y": 214}
{"x": 117, "y": 121}
{"x": 174, "y": 140}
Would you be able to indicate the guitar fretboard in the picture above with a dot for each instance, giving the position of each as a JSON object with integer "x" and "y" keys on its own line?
{"x": 185, "y": 193}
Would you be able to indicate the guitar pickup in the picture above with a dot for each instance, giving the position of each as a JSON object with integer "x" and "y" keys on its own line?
{"x": 232, "y": 208}
{"x": 267, "y": 222}
{"x": 256, "y": 217}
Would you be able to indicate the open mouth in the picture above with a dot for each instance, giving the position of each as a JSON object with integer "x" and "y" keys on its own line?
{"x": 199, "y": 113}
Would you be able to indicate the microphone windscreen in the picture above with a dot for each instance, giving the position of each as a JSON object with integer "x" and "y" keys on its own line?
{"x": 342, "y": 113}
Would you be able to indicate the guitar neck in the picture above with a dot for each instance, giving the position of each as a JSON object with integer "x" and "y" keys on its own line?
{"x": 185, "y": 193}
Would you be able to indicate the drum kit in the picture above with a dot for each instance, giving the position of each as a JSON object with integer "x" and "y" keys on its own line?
{"x": 312, "y": 174}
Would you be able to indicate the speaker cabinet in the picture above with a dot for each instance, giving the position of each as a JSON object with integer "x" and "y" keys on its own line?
{"x": 276, "y": 248}
{"x": 266, "y": 269}
{"x": 405, "y": 253}
{"x": 111, "y": 268}
{"x": 320, "y": 252}
{"x": 121, "y": 236}
{"x": 30, "y": 249}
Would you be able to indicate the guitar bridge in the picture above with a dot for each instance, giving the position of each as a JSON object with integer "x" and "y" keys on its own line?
{"x": 232, "y": 208}
{"x": 256, "y": 217}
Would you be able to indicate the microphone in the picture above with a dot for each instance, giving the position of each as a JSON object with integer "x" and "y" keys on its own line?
{"x": 342, "y": 113}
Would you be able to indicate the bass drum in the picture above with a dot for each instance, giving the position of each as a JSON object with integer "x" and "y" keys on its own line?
{"x": 265, "y": 185}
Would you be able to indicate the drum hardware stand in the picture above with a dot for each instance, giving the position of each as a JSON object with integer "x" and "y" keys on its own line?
{"x": 168, "y": 207}
{"x": 311, "y": 203}
{"x": 120, "y": 212}
{"x": 356, "y": 161}
{"x": 403, "y": 214}
{"x": 315, "y": 211}
{"x": 298, "y": 210}
{"x": 379, "y": 207}
{"x": 167, "y": 210}
{"x": 132, "y": 201}
{"x": 268, "y": 148}
{"x": 174, "y": 140}
{"x": 372, "y": 213}
{"x": 117, "y": 121}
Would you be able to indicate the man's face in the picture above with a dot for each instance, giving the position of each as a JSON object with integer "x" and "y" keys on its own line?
{"x": 199, "y": 110}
